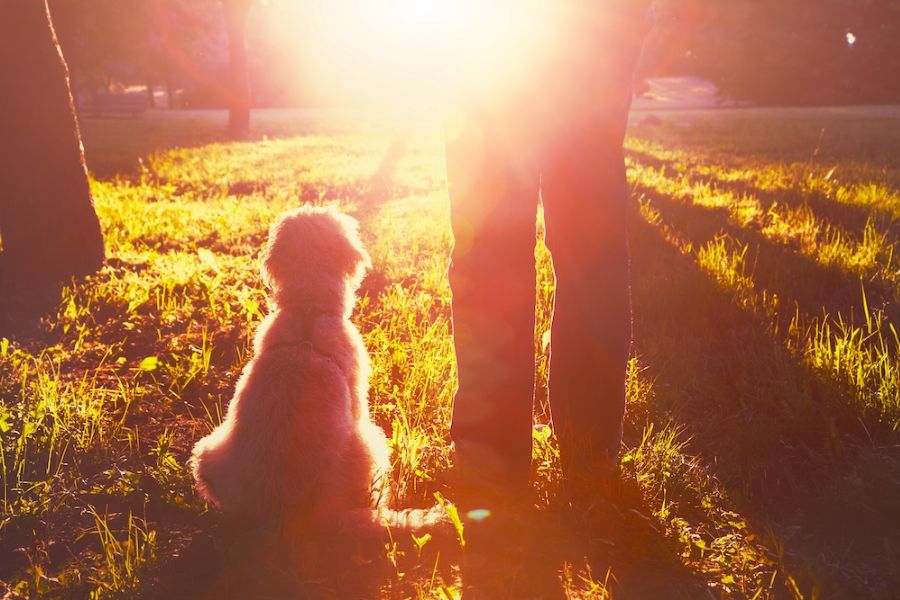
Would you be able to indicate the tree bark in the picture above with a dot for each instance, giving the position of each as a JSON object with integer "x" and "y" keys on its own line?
{"x": 48, "y": 226}
{"x": 236, "y": 12}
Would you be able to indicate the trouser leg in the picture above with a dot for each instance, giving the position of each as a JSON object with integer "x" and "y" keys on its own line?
{"x": 584, "y": 190}
{"x": 573, "y": 116}
{"x": 493, "y": 200}
{"x": 585, "y": 209}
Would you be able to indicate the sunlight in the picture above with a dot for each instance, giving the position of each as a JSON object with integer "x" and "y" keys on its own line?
{"x": 422, "y": 11}
{"x": 419, "y": 51}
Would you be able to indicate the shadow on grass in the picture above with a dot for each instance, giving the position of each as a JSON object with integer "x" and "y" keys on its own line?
{"x": 381, "y": 185}
{"x": 23, "y": 306}
{"x": 848, "y": 216}
{"x": 789, "y": 452}
{"x": 779, "y": 268}
{"x": 538, "y": 554}
{"x": 117, "y": 146}
{"x": 230, "y": 560}
{"x": 560, "y": 551}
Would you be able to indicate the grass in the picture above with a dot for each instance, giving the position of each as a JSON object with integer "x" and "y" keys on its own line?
{"x": 122, "y": 560}
{"x": 761, "y": 453}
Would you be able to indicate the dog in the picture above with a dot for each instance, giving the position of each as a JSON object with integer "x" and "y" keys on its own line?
{"x": 297, "y": 444}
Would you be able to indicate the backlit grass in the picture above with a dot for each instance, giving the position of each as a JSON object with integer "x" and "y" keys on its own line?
{"x": 762, "y": 435}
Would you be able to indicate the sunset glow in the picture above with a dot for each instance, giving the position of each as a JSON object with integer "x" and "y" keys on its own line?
{"x": 401, "y": 299}
{"x": 421, "y": 50}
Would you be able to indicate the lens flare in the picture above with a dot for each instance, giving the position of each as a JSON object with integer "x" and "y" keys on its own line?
{"x": 479, "y": 514}
{"x": 420, "y": 51}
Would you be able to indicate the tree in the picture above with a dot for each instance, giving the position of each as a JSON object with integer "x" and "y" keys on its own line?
{"x": 129, "y": 42}
{"x": 236, "y": 12}
{"x": 104, "y": 41}
{"x": 48, "y": 226}
{"x": 776, "y": 52}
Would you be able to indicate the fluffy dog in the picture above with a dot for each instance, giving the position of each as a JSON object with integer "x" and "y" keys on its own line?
{"x": 297, "y": 444}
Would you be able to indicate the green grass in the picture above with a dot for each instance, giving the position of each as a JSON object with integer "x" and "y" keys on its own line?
{"x": 762, "y": 445}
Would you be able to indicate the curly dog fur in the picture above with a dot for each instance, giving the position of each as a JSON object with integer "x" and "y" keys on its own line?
{"x": 297, "y": 442}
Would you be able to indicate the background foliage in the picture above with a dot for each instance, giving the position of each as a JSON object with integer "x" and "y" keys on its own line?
{"x": 773, "y": 52}
{"x": 761, "y": 51}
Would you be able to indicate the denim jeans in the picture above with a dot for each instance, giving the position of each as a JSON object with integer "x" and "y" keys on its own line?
{"x": 557, "y": 140}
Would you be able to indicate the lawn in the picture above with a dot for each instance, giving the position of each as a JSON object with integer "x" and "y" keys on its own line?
{"x": 762, "y": 448}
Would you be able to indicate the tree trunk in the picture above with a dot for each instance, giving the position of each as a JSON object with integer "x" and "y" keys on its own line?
{"x": 236, "y": 12}
{"x": 170, "y": 93}
{"x": 151, "y": 96}
{"x": 48, "y": 225}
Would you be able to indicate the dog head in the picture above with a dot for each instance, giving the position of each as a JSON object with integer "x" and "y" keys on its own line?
{"x": 311, "y": 249}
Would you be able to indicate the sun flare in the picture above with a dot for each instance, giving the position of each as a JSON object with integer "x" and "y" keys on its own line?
{"x": 422, "y": 50}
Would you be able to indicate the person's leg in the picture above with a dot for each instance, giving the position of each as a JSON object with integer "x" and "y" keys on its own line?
{"x": 585, "y": 202}
{"x": 585, "y": 208}
{"x": 493, "y": 199}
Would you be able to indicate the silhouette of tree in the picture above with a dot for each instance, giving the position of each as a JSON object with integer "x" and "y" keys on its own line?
{"x": 48, "y": 225}
{"x": 770, "y": 51}
{"x": 236, "y": 12}
{"x": 170, "y": 42}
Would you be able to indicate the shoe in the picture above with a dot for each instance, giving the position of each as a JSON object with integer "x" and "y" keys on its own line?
{"x": 589, "y": 486}
{"x": 478, "y": 481}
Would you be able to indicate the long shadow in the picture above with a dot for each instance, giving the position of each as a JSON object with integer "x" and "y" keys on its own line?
{"x": 850, "y": 217}
{"x": 520, "y": 557}
{"x": 766, "y": 425}
{"x": 23, "y": 305}
{"x": 118, "y": 147}
{"x": 232, "y": 560}
{"x": 779, "y": 268}
{"x": 529, "y": 555}
{"x": 381, "y": 185}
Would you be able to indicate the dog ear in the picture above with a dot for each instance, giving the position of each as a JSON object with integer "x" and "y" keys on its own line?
{"x": 355, "y": 259}
{"x": 271, "y": 270}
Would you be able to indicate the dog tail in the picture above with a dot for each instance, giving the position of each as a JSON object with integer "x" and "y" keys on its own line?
{"x": 386, "y": 521}
{"x": 414, "y": 520}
